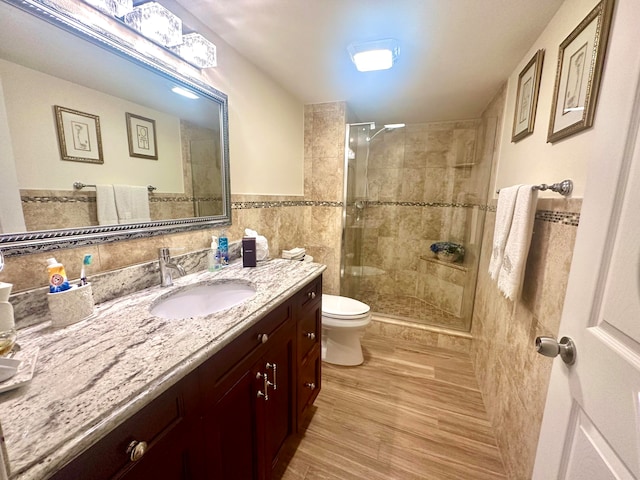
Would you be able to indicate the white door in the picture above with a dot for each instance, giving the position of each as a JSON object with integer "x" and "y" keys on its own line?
{"x": 591, "y": 425}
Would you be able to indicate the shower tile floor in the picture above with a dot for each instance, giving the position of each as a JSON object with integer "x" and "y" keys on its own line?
{"x": 412, "y": 309}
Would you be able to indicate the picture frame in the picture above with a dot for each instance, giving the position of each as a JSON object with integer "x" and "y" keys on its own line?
{"x": 579, "y": 72}
{"x": 141, "y": 134}
{"x": 79, "y": 136}
{"x": 524, "y": 116}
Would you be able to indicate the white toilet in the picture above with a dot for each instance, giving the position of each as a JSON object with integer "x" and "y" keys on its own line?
{"x": 343, "y": 323}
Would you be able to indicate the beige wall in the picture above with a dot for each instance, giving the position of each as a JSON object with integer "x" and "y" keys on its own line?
{"x": 512, "y": 377}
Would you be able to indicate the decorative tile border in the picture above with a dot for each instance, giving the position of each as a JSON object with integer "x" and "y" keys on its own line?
{"x": 92, "y": 199}
{"x": 564, "y": 218}
{"x": 285, "y": 203}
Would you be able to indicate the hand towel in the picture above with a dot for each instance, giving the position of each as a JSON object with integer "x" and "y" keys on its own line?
{"x": 517, "y": 247}
{"x": 132, "y": 203}
{"x": 106, "y": 205}
{"x": 504, "y": 215}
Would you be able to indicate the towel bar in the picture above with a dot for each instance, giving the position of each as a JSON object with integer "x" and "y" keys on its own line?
{"x": 564, "y": 187}
{"x": 80, "y": 186}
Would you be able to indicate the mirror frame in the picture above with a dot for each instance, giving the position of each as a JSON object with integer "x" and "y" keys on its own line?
{"x": 14, "y": 244}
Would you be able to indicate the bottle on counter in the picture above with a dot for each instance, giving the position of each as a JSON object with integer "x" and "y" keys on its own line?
{"x": 58, "y": 281}
{"x": 223, "y": 248}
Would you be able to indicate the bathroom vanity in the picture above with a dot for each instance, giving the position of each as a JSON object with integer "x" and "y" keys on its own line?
{"x": 130, "y": 395}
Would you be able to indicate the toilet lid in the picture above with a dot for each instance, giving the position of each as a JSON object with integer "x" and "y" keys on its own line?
{"x": 342, "y": 307}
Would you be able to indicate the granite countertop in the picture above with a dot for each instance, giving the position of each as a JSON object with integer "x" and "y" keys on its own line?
{"x": 92, "y": 376}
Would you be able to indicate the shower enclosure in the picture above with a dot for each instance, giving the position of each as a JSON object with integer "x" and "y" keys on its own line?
{"x": 405, "y": 189}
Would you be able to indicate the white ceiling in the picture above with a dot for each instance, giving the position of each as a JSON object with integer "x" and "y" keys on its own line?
{"x": 455, "y": 54}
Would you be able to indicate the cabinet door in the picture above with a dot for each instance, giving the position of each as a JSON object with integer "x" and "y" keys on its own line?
{"x": 279, "y": 410}
{"x": 233, "y": 432}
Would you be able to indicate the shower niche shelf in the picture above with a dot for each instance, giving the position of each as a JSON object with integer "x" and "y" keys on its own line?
{"x": 457, "y": 266}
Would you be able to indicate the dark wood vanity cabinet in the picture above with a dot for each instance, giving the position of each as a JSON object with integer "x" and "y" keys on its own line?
{"x": 232, "y": 416}
{"x": 249, "y": 412}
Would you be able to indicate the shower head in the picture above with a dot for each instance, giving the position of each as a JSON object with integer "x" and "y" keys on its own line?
{"x": 387, "y": 128}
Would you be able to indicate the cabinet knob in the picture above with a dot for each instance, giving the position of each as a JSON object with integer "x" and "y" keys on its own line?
{"x": 310, "y": 385}
{"x": 311, "y": 295}
{"x": 310, "y": 335}
{"x": 263, "y": 337}
{"x": 136, "y": 450}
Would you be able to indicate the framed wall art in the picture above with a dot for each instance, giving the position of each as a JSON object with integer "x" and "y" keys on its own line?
{"x": 579, "y": 71}
{"x": 78, "y": 135}
{"x": 524, "y": 116}
{"x": 141, "y": 133}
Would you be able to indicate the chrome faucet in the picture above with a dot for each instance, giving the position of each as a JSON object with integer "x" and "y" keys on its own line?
{"x": 166, "y": 265}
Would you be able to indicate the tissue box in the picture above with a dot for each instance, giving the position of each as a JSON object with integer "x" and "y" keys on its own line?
{"x": 71, "y": 306}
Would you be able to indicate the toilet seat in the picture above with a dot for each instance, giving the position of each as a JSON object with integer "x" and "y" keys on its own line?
{"x": 343, "y": 308}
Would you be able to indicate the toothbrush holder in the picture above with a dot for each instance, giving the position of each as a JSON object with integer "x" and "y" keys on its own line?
{"x": 71, "y": 306}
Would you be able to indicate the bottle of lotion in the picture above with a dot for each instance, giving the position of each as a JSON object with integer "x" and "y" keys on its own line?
{"x": 58, "y": 281}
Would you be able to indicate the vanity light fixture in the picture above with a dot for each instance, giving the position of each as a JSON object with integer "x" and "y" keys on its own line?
{"x": 184, "y": 92}
{"x": 115, "y": 8}
{"x": 197, "y": 50}
{"x": 375, "y": 55}
{"x": 156, "y": 23}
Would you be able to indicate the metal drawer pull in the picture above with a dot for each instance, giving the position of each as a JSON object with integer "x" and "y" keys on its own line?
{"x": 310, "y": 335}
{"x": 274, "y": 367}
{"x": 136, "y": 450}
{"x": 310, "y": 385}
{"x": 263, "y": 337}
{"x": 311, "y": 295}
{"x": 265, "y": 383}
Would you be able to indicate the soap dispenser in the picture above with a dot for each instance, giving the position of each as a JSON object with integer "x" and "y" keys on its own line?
{"x": 213, "y": 256}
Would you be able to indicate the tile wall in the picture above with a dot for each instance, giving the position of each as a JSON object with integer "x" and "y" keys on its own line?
{"x": 512, "y": 376}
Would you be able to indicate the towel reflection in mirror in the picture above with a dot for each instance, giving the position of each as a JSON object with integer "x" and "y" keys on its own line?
{"x": 119, "y": 204}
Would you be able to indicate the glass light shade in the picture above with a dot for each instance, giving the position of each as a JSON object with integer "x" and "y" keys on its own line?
{"x": 156, "y": 23}
{"x": 197, "y": 50}
{"x": 115, "y": 8}
{"x": 376, "y": 55}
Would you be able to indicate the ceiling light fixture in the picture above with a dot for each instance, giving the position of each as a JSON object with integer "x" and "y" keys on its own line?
{"x": 184, "y": 92}
{"x": 375, "y": 55}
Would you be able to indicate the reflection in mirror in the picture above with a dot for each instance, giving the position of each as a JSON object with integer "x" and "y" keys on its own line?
{"x": 123, "y": 109}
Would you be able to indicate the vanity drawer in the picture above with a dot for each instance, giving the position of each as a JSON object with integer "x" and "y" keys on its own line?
{"x": 167, "y": 425}
{"x": 310, "y": 293}
{"x": 309, "y": 328}
{"x": 309, "y": 380}
{"x": 246, "y": 344}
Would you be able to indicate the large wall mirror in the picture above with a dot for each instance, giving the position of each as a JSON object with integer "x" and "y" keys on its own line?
{"x": 57, "y": 74}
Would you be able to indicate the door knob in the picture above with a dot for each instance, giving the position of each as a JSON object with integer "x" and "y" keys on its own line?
{"x": 550, "y": 347}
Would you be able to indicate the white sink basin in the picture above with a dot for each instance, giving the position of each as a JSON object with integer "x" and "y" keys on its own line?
{"x": 202, "y": 299}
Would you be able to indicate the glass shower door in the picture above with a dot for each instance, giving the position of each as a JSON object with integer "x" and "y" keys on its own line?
{"x": 354, "y": 209}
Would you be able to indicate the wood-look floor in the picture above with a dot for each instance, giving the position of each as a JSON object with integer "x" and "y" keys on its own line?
{"x": 408, "y": 413}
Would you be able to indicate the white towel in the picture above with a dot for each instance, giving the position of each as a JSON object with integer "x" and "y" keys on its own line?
{"x": 504, "y": 215}
{"x": 106, "y": 205}
{"x": 517, "y": 248}
{"x": 132, "y": 203}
